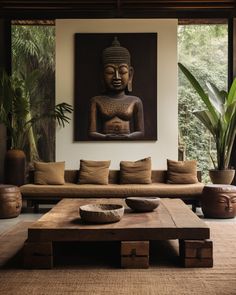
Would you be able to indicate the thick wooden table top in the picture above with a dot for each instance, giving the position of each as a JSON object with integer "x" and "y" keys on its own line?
{"x": 171, "y": 220}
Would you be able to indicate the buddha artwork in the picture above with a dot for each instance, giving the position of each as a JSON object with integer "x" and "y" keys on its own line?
{"x": 115, "y": 114}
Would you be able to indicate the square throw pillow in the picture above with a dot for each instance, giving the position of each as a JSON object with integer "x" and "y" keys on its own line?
{"x": 94, "y": 172}
{"x": 49, "y": 173}
{"x": 182, "y": 172}
{"x": 136, "y": 172}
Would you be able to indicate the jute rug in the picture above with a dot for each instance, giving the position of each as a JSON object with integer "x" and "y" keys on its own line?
{"x": 93, "y": 276}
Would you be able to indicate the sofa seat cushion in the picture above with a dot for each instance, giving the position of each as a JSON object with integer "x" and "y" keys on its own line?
{"x": 70, "y": 190}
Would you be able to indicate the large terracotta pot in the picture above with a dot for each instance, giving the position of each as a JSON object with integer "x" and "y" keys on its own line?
{"x": 222, "y": 176}
{"x": 15, "y": 162}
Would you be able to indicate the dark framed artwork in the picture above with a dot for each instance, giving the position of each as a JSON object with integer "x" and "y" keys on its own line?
{"x": 88, "y": 77}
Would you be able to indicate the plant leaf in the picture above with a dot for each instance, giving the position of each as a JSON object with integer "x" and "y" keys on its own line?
{"x": 230, "y": 138}
{"x": 200, "y": 91}
{"x": 230, "y": 111}
{"x": 216, "y": 97}
{"x": 206, "y": 118}
{"x": 232, "y": 93}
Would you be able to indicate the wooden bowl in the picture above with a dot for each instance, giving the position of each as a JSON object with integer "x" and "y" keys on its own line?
{"x": 101, "y": 213}
{"x": 142, "y": 204}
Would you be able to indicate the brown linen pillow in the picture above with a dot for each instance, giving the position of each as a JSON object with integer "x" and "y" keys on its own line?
{"x": 182, "y": 172}
{"x": 136, "y": 172}
{"x": 49, "y": 173}
{"x": 94, "y": 172}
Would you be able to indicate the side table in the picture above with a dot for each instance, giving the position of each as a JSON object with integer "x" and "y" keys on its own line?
{"x": 10, "y": 201}
{"x": 219, "y": 201}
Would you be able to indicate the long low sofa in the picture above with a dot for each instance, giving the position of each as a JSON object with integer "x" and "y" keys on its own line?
{"x": 36, "y": 194}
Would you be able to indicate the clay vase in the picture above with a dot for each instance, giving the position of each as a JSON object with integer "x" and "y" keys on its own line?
{"x": 222, "y": 176}
{"x": 15, "y": 163}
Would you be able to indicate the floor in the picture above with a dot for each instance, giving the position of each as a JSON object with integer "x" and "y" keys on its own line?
{"x": 6, "y": 224}
{"x": 28, "y": 215}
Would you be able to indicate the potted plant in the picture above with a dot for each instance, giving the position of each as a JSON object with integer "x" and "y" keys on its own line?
{"x": 219, "y": 118}
{"x": 16, "y": 115}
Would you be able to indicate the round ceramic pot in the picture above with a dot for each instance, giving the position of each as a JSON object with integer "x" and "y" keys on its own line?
{"x": 222, "y": 176}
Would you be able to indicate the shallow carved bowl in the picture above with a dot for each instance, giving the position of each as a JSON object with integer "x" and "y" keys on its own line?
{"x": 142, "y": 204}
{"x": 101, "y": 213}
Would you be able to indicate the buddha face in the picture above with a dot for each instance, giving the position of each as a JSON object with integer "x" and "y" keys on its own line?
{"x": 221, "y": 206}
{"x": 117, "y": 76}
{"x": 226, "y": 203}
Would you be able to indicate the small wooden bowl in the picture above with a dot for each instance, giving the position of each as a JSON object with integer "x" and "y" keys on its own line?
{"x": 142, "y": 204}
{"x": 101, "y": 213}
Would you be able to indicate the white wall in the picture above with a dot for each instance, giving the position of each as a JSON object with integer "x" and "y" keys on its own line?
{"x": 167, "y": 144}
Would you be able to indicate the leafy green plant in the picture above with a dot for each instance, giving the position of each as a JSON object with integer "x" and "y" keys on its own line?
{"x": 219, "y": 117}
{"x": 15, "y": 111}
{"x": 33, "y": 47}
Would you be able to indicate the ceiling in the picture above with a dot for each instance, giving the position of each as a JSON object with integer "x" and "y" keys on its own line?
{"x": 46, "y": 9}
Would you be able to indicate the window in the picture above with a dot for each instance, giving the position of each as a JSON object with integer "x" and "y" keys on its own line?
{"x": 203, "y": 49}
{"x": 33, "y": 59}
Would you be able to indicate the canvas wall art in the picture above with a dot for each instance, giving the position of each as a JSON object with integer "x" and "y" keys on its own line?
{"x": 115, "y": 87}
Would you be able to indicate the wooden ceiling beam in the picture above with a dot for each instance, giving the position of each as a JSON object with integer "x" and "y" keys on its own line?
{"x": 117, "y": 8}
{"x": 116, "y": 3}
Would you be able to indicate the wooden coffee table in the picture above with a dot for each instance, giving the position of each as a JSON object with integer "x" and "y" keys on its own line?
{"x": 171, "y": 220}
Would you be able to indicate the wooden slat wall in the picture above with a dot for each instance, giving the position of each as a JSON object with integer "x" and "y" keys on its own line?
{"x": 116, "y": 8}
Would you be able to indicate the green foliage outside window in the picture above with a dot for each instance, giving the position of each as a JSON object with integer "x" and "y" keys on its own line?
{"x": 203, "y": 49}
{"x": 33, "y": 48}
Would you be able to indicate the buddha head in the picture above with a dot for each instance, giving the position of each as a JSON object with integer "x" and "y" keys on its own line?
{"x": 221, "y": 205}
{"x": 117, "y": 69}
{"x": 226, "y": 204}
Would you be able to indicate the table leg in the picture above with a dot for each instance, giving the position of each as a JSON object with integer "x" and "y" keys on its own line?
{"x": 196, "y": 253}
{"x": 135, "y": 254}
{"x": 38, "y": 255}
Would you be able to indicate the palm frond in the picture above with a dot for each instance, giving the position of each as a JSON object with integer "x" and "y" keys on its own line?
{"x": 15, "y": 104}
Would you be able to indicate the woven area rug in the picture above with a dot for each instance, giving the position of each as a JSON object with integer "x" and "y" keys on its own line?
{"x": 164, "y": 275}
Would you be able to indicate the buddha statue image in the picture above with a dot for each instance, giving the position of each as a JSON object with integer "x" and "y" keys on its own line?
{"x": 115, "y": 114}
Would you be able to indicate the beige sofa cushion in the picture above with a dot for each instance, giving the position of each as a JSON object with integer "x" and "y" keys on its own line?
{"x": 182, "y": 172}
{"x": 49, "y": 173}
{"x": 138, "y": 172}
{"x": 94, "y": 172}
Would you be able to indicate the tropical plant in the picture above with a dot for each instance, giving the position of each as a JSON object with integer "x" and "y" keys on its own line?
{"x": 207, "y": 62}
{"x": 219, "y": 117}
{"x": 16, "y": 115}
{"x": 33, "y": 48}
